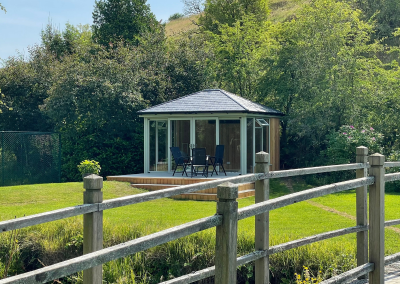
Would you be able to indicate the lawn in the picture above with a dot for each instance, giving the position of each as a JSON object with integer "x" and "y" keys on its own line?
{"x": 121, "y": 224}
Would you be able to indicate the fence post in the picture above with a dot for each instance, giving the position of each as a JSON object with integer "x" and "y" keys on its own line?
{"x": 93, "y": 227}
{"x": 226, "y": 234}
{"x": 262, "y": 220}
{"x": 361, "y": 208}
{"x": 377, "y": 218}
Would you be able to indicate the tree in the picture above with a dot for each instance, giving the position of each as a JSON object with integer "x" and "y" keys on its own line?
{"x": 228, "y": 12}
{"x": 25, "y": 85}
{"x": 193, "y": 7}
{"x": 175, "y": 16}
{"x": 385, "y": 14}
{"x": 238, "y": 52}
{"x": 66, "y": 42}
{"x": 93, "y": 103}
{"x": 2, "y": 8}
{"x": 172, "y": 68}
{"x": 317, "y": 76}
{"x": 115, "y": 20}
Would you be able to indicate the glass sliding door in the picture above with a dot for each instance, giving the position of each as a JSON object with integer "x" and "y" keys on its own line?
{"x": 181, "y": 137}
{"x": 158, "y": 145}
{"x": 229, "y": 136}
{"x": 205, "y": 135}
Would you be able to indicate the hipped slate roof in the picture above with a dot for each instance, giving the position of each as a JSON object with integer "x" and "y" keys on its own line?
{"x": 213, "y": 100}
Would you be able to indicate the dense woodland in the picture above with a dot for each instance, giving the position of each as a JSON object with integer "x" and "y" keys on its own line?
{"x": 332, "y": 67}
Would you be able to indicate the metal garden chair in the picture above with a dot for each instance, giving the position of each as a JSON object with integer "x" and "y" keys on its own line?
{"x": 179, "y": 159}
{"x": 199, "y": 160}
{"x": 218, "y": 159}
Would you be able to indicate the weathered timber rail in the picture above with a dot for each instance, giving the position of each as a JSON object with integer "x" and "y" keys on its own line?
{"x": 225, "y": 220}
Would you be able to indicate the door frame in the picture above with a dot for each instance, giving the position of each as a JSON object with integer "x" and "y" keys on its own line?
{"x": 192, "y": 133}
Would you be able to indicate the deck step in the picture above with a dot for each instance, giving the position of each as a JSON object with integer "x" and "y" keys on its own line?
{"x": 211, "y": 197}
{"x": 152, "y": 187}
{"x": 245, "y": 189}
{"x": 177, "y": 180}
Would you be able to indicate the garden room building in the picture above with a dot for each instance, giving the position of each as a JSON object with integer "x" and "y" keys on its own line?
{"x": 206, "y": 119}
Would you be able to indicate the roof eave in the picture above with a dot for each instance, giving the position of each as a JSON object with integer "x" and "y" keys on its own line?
{"x": 211, "y": 112}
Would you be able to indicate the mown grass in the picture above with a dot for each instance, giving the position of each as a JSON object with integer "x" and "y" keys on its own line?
{"x": 48, "y": 243}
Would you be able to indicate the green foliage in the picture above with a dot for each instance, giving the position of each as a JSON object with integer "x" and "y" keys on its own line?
{"x": 24, "y": 85}
{"x": 342, "y": 144}
{"x": 116, "y": 20}
{"x": 320, "y": 68}
{"x": 2, "y": 8}
{"x": 320, "y": 75}
{"x": 385, "y": 14}
{"x": 222, "y": 12}
{"x": 238, "y": 52}
{"x": 175, "y": 16}
{"x": 69, "y": 41}
{"x": 93, "y": 104}
{"x": 89, "y": 167}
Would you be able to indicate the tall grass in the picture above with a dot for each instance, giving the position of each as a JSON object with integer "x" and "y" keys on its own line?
{"x": 49, "y": 243}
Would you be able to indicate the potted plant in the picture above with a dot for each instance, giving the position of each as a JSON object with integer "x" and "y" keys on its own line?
{"x": 88, "y": 167}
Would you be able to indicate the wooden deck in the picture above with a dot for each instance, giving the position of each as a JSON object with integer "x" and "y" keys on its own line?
{"x": 162, "y": 180}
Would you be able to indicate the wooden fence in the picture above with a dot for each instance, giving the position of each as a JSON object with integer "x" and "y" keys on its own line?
{"x": 370, "y": 255}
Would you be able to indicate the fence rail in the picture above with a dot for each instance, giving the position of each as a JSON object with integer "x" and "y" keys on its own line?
{"x": 226, "y": 223}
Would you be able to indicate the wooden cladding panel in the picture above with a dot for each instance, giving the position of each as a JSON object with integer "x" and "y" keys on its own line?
{"x": 275, "y": 143}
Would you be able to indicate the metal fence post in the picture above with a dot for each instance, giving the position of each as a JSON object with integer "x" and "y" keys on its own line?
{"x": 361, "y": 208}
{"x": 93, "y": 227}
{"x": 377, "y": 219}
{"x": 226, "y": 234}
{"x": 262, "y": 220}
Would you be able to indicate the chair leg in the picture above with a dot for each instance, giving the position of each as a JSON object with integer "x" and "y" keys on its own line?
{"x": 214, "y": 166}
{"x": 184, "y": 169}
{"x": 222, "y": 165}
{"x": 176, "y": 166}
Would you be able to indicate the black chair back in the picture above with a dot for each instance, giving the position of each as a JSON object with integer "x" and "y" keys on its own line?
{"x": 176, "y": 154}
{"x": 219, "y": 154}
{"x": 199, "y": 156}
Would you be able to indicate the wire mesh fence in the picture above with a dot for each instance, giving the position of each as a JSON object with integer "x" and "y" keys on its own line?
{"x": 29, "y": 157}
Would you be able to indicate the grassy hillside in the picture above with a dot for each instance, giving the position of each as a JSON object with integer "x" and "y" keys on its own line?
{"x": 181, "y": 25}
{"x": 281, "y": 10}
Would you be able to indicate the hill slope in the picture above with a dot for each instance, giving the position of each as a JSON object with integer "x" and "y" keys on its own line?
{"x": 281, "y": 10}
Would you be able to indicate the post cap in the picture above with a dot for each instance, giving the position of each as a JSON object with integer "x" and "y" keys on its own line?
{"x": 362, "y": 151}
{"x": 376, "y": 159}
{"x": 227, "y": 190}
{"x": 93, "y": 181}
{"x": 262, "y": 157}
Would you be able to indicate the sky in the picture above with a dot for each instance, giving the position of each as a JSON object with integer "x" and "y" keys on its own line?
{"x": 20, "y": 27}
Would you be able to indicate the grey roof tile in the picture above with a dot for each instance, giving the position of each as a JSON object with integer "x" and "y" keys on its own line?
{"x": 212, "y": 100}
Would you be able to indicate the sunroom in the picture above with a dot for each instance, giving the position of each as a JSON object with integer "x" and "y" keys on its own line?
{"x": 206, "y": 119}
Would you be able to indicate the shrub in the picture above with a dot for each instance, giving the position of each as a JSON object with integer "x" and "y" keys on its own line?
{"x": 89, "y": 167}
{"x": 343, "y": 143}
{"x": 175, "y": 16}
